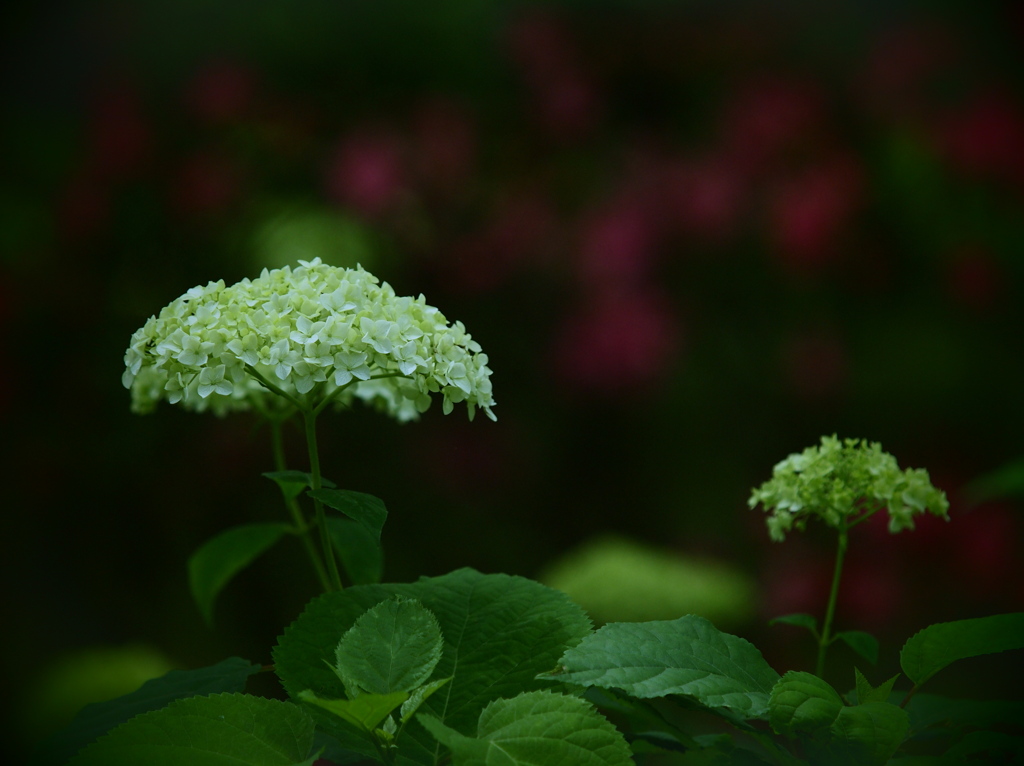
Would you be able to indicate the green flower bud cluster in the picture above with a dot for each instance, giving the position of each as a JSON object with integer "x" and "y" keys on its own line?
{"x": 842, "y": 483}
{"x": 313, "y": 333}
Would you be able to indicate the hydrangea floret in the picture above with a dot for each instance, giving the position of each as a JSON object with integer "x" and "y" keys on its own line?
{"x": 314, "y": 335}
{"x": 843, "y": 483}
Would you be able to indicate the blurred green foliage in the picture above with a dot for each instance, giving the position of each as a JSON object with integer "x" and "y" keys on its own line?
{"x": 618, "y": 580}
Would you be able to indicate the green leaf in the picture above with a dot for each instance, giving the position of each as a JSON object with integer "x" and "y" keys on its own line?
{"x": 805, "y": 706}
{"x": 365, "y": 712}
{"x": 222, "y": 557}
{"x": 222, "y": 730}
{"x": 535, "y": 729}
{"x": 361, "y": 554}
{"x": 97, "y": 719}
{"x": 688, "y": 656}
{"x": 358, "y": 506}
{"x": 330, "y": 750}
{"x": 802, "y": 703}
{"x": 418, "y": 697}
{"x": 863, "y": 643}
{"x": 867, "y": 693}
{"x": 640, "y": 716}
{"x": 935, "y": 647}
{"x": 393, "y": 647}
{"x": 499, "y": 633}
{"x": 800, "y": 620}
{"x": 293, "y": 482}
{"x": 867, "y": 734}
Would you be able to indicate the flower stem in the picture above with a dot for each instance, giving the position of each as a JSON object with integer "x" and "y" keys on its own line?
{"x": 826, "y": 629}
{"x": 293, "y": 507}
{"x": 309, "y": 418}
{"x": 272, "y": 387}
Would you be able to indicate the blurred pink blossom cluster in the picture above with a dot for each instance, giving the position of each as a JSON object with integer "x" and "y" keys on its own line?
{"x": 779, "y": 167}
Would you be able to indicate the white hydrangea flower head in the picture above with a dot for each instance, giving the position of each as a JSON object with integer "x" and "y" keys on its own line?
{"x": 841, "y": 483}
{"x": 315, "y": 332}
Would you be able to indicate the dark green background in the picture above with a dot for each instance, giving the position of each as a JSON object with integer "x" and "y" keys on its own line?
{"x": 857, "y": 271}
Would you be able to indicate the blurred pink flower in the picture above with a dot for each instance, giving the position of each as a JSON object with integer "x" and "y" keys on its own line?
{"x": 566, "y": 101}
{"x": 522, "y": 228}
{"x": 767, "y": 116}
{"x": 704, "y": 197}
{"x": 808, "y": 212}
{"x": 221, "y": 91}
{"x": 617, "y": 243}
{"x": 986, "y": 138}
{"x": 623, "y": 337}
{"x": 367, "y": 172}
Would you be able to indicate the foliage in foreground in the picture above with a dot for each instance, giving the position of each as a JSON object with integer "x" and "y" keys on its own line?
{"x": 488, "y": 669}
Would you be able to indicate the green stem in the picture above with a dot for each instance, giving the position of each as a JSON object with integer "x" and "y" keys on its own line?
{"x": 309, "y": 417}
{"x": 826, "y": 629}
{"x": 330, "y": 398}
{"x": 293, "y": 507}
{"x": 910, "y": 694}
{"x": 271, "y": 387}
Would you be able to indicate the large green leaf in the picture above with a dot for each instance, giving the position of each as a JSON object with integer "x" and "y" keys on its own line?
{"x": 97, "y": 719}
{"x": 866, "y": 735}
{"x": 930, "y": 650}
{"x": 688, "y": 656}
{"x": 802, "y": 703}
{"x": 392, "y": 647}
{"x": 499, "y": 633}
{"x": 360, "y": 552}
{"x": 536, "y": 729}
{"x": 222, "y": 557}
{"x": 221, "y": 730}
{"x": 368, "y": 510}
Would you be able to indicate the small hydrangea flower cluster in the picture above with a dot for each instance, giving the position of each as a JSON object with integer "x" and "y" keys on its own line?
{"x": 309, "y": 332}
{"x": 842, "y": 482}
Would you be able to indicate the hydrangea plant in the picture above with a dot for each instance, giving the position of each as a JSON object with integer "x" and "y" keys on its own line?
{"x": 313, "y": 335}
{"x": 469, "y": 668}
{"x": 288, "y": 344}
{"x": 843, "y": 483}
